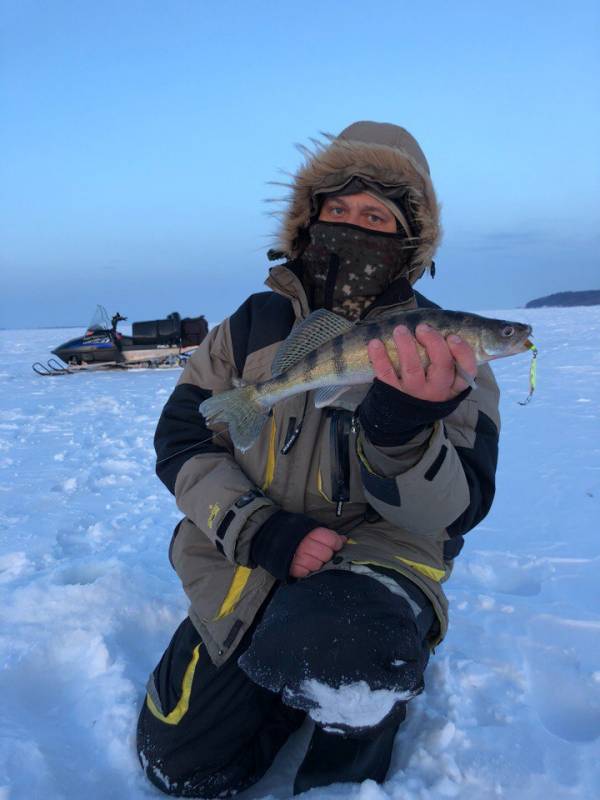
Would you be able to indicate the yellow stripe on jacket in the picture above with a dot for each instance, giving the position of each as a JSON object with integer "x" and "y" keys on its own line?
{"x": 430, "y": 572}
{"x": 237, "y": 586}
{"x": 270, "y": 467}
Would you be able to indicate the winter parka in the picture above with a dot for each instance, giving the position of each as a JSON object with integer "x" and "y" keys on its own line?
{"x": 403, "y": 508}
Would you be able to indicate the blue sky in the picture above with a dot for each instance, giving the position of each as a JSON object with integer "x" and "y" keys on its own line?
{"x": 138, "y": 139}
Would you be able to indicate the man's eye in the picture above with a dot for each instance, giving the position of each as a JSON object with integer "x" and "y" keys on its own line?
{"x": 374, "y": 219}
{"x": 336, "y": 210}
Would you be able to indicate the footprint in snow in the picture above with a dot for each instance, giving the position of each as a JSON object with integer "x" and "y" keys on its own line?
{"x": 563, "y": 688}
{"x": 81, "y": 574}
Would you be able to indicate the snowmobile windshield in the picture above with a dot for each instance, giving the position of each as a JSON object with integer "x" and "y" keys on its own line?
{"x": 100, "y": 320}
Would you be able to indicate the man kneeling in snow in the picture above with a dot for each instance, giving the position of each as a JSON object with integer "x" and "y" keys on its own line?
{"x": 314, "y": 560}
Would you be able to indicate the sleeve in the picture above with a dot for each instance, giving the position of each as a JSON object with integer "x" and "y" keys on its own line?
{"x": 444, "y": 477}
{"x": 198, "y": 466}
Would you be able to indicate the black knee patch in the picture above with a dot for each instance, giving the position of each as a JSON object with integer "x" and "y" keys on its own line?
{"x": 336, "y": 628}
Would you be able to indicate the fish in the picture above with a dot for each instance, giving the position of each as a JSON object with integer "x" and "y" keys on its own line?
{"x": 327, "y": 354}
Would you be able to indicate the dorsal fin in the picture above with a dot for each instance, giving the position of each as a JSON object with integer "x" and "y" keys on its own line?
{"x": 319, "y": 327}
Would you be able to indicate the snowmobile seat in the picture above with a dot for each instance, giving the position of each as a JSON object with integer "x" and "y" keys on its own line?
{"x": 157, "y": 331}
{"x": 144, "y": 332}
{"x": 169, "y": 330}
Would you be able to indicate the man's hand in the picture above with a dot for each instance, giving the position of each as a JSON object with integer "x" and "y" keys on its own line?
{"x": 440, "y": 381}
{"x": 316, "y": 549}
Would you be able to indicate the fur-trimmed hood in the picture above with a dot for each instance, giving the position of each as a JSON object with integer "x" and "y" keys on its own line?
{"x": 380, "y": 154}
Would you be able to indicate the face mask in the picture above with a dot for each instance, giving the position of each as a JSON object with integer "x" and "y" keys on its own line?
{"x": 346, "y": 267}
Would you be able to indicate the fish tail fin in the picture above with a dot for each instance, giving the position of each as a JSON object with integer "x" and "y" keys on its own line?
{"x": 239, "y": 409}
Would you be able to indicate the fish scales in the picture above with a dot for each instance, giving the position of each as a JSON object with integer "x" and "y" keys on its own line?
{"x": 342, "y": 361}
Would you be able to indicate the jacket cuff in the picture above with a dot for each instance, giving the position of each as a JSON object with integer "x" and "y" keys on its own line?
{"x": 274, "y": 545}
{"x": 390, "y": 418}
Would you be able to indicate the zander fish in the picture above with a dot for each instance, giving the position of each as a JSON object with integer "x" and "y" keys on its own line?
{"x": 327, "y": 353}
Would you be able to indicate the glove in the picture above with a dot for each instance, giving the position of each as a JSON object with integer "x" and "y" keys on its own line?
{"x": 391, "y": 418}
{"x": 274, "y": 545}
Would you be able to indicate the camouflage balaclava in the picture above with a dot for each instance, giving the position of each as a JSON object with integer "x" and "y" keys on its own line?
{"x": 344, "y": 266}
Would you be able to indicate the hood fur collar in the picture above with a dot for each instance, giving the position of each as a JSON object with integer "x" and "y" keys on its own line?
{"x": 330, "y": 165}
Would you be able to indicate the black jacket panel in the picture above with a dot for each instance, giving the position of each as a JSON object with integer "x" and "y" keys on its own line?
{"x": 181, "y": 433}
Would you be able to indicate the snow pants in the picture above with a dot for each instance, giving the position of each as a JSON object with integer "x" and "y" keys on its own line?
{"x": 207, "y": 731}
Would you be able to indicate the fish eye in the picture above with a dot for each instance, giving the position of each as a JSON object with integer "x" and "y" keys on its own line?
{"x": 507, "y": 331}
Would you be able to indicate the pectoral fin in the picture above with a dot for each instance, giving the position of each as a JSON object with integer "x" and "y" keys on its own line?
{"x": 469, "y": 379}
{"x": 326, "y": 395}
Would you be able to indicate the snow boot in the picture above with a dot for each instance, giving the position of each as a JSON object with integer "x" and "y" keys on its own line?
{"x": 332, "y": 758}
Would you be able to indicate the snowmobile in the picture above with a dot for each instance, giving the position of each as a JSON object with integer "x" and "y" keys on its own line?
{"x": 155, "y": 343}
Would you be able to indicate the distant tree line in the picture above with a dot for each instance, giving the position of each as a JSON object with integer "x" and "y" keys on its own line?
{"x": 589, "y": 297}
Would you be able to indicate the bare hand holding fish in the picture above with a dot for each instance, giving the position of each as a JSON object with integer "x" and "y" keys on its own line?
{"x": 441, "y": 379}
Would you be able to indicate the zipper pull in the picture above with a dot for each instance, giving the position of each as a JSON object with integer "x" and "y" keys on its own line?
{"x": 338, "y": 508}
{"x": 292, "y": 435}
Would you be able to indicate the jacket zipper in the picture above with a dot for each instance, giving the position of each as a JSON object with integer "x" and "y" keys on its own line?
{"x": 339, "y": 434}
{"x": 293, "y": 431}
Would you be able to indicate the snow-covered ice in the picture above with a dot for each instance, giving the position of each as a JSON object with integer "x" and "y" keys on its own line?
{"x": 88, "y": 600}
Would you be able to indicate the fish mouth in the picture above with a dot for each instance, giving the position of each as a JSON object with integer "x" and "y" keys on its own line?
{"x": 525, "y": 341}
{"x": 524, "y": 344}
{"x": 521, "y": 345}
